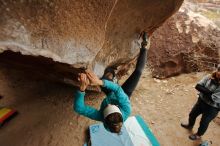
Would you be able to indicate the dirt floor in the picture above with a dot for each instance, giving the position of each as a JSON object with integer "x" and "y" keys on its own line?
{"x": 46, "y": 116}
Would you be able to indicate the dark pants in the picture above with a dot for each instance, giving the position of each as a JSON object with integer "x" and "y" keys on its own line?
{"x": 131, "y": 83}
{"x": 208, "y": 114}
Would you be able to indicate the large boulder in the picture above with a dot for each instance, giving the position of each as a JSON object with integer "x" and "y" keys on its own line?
{"x": 67, "y": 35}
{"x": 187, "y": 42}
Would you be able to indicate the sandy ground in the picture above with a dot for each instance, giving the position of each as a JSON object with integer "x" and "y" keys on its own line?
{"x": 46, "y": 117}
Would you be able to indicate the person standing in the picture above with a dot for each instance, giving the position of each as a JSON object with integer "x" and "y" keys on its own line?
{"x": 208, "y": 104}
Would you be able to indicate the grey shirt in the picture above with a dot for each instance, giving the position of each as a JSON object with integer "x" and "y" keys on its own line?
{"x": 214, "y": 88}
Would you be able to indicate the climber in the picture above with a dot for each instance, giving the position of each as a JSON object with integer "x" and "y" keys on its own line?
{"x": 208, "y": 103}
{"x": 116, "y": 107}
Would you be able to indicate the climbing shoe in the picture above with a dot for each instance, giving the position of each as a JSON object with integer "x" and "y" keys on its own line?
{"x": 109, "y": 74}
{"x": 143, "y": 35}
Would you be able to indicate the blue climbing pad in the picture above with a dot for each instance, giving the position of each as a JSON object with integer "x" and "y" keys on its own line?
{"x": 135, "y": 132}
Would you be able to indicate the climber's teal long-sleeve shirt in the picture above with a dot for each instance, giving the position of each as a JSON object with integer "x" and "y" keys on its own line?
{"x": 116, "y": 97}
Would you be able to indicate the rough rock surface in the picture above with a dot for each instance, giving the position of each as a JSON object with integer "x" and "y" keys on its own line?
{"x": 78, "y": 34}
{"x": 187, "y": 42}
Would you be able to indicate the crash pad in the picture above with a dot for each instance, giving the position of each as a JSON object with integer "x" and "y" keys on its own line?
{"x": 135, "y": 132}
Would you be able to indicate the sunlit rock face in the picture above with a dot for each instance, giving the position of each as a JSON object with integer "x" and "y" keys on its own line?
{"x": 67, "y": 32}
{"x": 79, "y": 33}
{"x": 187, "y": 42}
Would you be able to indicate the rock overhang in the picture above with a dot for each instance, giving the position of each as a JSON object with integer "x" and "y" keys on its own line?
{"x": 82, "y": 33}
